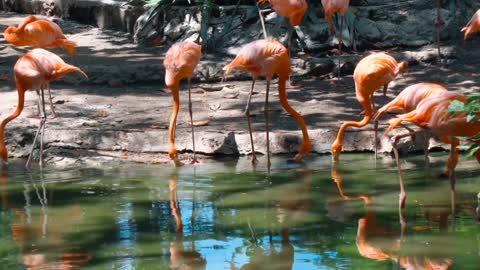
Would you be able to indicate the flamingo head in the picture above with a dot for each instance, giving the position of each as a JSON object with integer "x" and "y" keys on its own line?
{"x": 336, "y": 149}
{"x": 171, "y": 78}
{"x": 304, "y": 150}
{"x": 403, "y": 68}
{"x": 467, "y": 31}
{"x": 10, "y": 34}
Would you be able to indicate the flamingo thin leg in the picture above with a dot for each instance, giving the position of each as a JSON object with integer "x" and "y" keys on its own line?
{"x": 190, "y": 111}
{"x": 247, "y": 113}
{"x": 44, "y": 117}
{"x": 426, "y": 145}
{"x": 40, "y": 129}
{"x": 267, "y": 128}
{"x": 262, "y": 22}
{"x": 403, "y": 194}
{"x": 439, "y": 24}
{"x": 375, "y": 138}
{"x": 51, "y": 102}
{"x": 340, "y": 41}
{"x": 289, "y": 39}
{"x": 454, "y": 158}
{"x": 375, "y": 127}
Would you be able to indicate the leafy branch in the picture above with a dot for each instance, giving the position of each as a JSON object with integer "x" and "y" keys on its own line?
{"x": 472, "y": 109}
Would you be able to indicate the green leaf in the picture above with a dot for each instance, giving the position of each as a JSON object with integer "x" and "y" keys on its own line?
{"x": 474, "y": 97}
{"x": 473, "y": 151}
{"x": 456, "y": 106}
{"x": 470, "y": 117}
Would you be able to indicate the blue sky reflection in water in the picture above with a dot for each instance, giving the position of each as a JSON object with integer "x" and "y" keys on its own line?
{"x": 223, "y": 215}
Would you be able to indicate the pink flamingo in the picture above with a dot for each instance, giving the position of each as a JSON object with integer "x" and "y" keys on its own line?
{"x": 265, "y": 58}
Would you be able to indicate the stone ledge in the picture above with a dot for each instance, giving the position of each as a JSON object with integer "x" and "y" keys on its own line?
{"x": 207, "y": 142}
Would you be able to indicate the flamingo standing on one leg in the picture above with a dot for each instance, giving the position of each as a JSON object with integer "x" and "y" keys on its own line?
{"x": 32, "y": 71}
{"x": 265, "y": 58}
{"x": 39, "y": 33}
{"x": 472, "y": 26}
{"x": 431, "y": 113}
{"x": 180, "y": 62}
{"x": 408, "y": 100}
{"x": 372, "y": 72}
{"x": 331, "y": 7}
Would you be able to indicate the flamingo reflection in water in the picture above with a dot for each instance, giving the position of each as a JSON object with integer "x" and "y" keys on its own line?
{"x": 291, "y": 208}
{"x": 41, "y": 236}
{"x": 180, "y": 257}
{"x": 379, "y": 242}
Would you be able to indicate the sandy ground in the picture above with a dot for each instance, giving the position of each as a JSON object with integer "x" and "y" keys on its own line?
{"x": 123, "y": 111}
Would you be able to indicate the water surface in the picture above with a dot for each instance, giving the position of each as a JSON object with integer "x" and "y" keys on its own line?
{"x": 224, "y": 215}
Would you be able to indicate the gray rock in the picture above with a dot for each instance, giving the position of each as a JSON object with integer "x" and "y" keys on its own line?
{"x": 368, "y": 30}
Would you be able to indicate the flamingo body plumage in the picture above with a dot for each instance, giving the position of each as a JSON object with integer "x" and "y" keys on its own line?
{"x": 39, "y": 33}
{"x": 472, "y": 26}
{"x": 334, "y": 6}
{"x": 294, "y": 10}
{"x": 265, "y": 58}
{"x": 410, "y": 97}
{"x": 431, "y": 113}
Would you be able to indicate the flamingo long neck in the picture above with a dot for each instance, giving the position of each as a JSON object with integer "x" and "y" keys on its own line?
{"x": 174, "y": 204}
{"x": 18, "y": 111}
{"x": 367, "y": 106}
{"x": 395, "y": 123}
{"x": 24, "y": 24}
{"x": 282, "y": 95}
{"x": 453, "y": 158}
{"x": 64, "y": 69}
{"x": 339, "y": 181}
{"x": 175, "y": 88}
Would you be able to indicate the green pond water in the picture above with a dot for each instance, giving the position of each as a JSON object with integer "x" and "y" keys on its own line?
{"x": 224, "y": 215}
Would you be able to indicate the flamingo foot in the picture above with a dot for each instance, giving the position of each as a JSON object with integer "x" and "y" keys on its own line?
{"x": 173, "y": 154}
{"x": 194, "y": 161}
{"x": 254, "y": 161}
{"x": 53, "y": 116}
{"x": 299, "y": 157}
{"x": 294, "y": 85}
{"x": 444, "y": 175}
{"x": 337, "y": 82}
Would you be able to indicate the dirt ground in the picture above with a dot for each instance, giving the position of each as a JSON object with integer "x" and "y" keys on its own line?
{"x": 123, "y": 111}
